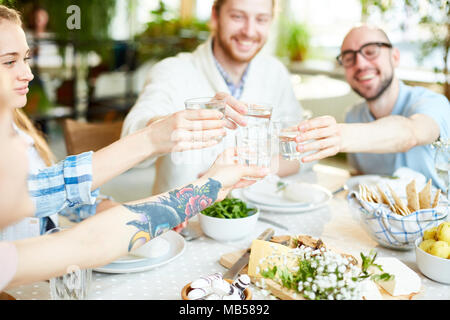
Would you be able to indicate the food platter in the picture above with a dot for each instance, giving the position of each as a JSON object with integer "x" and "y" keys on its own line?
{"x": 277, "y": 290}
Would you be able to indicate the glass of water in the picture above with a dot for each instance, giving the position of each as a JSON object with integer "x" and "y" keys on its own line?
{"x": 442, "y": 163}
{"x": 205, "y": 103}
{"x": 210, "y": 103}
{"x": 74, "y": 285}
{"x": 254, "y": 142}
{"x": 286, "y": 131}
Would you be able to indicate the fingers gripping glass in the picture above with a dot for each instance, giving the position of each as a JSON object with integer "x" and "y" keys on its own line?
{"x": 369, "y": 51}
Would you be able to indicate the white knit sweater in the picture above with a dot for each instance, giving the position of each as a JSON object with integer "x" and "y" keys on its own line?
{"x": 188, "y": 75}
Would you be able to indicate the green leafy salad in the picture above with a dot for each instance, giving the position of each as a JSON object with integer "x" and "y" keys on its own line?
{"x": 229, "y": 208}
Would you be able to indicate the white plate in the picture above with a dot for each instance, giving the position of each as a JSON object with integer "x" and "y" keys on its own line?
{"x": 265, "y": 193}
{"x": 129, "y": 259}
{"x": 134, "y": 264}
{"x": 237, "y": 193}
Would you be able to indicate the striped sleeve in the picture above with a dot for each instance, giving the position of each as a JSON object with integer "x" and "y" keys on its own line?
{"x": 66, "y": 184}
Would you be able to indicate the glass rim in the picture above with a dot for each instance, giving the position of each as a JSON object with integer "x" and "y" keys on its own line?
{"x": 203, "y": 100}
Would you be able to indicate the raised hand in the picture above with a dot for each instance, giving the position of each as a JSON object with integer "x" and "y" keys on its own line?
{"x": 322, "y": 135}
{"x": 235, "y": 110}
{"x": 230, "y": 173}
{"x": 186, "y": 130}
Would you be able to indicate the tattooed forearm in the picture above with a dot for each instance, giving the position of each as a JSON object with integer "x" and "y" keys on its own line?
{"x": 165, "y": 213}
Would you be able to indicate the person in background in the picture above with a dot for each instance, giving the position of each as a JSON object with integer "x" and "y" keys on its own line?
{"x": 396, "y": 124}
{"x": 229, "y": 61}
{"x": 79, "y": 176}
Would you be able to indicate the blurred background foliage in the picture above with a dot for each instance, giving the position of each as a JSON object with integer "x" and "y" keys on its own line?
{"x": 434, "y": 16}
{"x": 293, "y": 40}
{"x": 167, "y": 34}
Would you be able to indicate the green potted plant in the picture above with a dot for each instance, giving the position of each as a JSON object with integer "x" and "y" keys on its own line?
{"x": 293, "y": 40}
{"x": 166, "y": 34}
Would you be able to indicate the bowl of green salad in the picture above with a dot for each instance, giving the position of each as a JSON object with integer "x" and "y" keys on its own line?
{"x": 228, "y": 220}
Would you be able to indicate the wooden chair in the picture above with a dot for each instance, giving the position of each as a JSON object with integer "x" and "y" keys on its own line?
{"x": 81, "y": 137}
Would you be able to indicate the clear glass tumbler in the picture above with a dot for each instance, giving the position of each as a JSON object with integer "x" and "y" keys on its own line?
{"x": 286, "y": 131}
{"x": 206, "y": 103}
{"x": 254, "y": 142}
{"x": 74, "y": 285}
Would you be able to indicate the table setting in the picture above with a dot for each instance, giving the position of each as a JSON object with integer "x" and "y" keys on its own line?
{"x": 321, "y": 212}
{"x": 336, "y": 223}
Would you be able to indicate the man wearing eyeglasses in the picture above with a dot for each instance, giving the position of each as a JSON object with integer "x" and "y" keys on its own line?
{"x": 395, "y": 125}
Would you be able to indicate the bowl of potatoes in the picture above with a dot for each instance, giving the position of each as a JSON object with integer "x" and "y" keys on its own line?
{"x": 433, "y": 253}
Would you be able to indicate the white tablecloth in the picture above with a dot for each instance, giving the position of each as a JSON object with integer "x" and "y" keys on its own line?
{"x": 336, "y": 224}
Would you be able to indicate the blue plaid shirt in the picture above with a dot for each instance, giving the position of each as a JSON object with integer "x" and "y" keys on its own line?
{"x": 235, "y": 90}
{"x": 64, "y": 185}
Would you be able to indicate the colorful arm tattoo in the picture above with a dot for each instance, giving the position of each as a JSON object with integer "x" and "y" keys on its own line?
{"x": 160, "y": 215}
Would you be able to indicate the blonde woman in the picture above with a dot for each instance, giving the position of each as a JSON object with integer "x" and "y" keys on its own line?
{"x": 83, "y": 174}
{"x": 104, "y": 237}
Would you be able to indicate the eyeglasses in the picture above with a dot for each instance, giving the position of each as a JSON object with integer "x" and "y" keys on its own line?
{"x": 369, "y": 51}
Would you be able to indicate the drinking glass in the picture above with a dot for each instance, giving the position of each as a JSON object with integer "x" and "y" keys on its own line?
{"x": 286, "y": 131}
{"x": 209, "y": 103}
{"x": 74, "y": 285}
{"x": 442, "y": 163}
{"x": 205, "y": 103}
{"x": 254, "y": 142}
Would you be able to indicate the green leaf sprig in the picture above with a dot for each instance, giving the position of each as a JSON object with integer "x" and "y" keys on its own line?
{"x": 369, "y": 261}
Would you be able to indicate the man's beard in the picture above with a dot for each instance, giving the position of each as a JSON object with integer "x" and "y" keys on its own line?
{"x": 229, "y": 51}
{"x": 383, "y": 87}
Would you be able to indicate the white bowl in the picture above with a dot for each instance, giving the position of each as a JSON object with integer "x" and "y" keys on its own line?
{"x": 435, "y": 268}
{"x": 228, "y": 229}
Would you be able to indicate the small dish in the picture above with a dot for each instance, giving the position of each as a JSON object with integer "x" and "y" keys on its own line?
{"x": 435, "y": 268}
{"x": 185, "y": 291}
{"x": 221, "y": 229}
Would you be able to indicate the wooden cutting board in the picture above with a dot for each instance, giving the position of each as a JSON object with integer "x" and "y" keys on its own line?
{"x": 6, "y": 296}
{"x": 227, "y": 260}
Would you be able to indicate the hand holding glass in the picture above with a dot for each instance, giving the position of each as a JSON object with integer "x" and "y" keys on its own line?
{"x": 209, "y": 103}
{"x": 286, "y": 131}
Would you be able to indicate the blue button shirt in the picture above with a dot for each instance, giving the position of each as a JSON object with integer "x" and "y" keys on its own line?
{"x": 64, "y": 185}
{"x": 411, "y": 100}
{"x": 235, "y": 90}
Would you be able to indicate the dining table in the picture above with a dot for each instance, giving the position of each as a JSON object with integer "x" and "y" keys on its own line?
{"x": 336, "y": 223}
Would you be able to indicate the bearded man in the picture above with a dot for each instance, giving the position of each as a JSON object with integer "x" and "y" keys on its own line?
{"x": 396, "y": 124}
{"x": 230, "y": 62}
